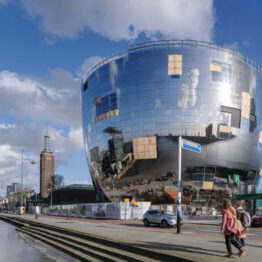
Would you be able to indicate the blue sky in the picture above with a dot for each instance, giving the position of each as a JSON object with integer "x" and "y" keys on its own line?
{"x": 46, "y": 46}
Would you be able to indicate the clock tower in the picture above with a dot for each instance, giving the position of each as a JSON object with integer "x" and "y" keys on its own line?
{"x": 47, "y": 168}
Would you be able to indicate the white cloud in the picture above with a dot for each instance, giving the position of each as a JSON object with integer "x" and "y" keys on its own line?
{"x": 238, "y": 45}
{"x": 10, "y": 171}
{"x": 88, "y": 64}
{"x": 233, "y": 46}
{"x": 31, "y": 105}
{"x": 3, "y": 2}
{"x": 118, "y": 19}
{"x": 76, "y": 137}
{"x": 8, "y": 157}
{"x": 30, "y": 137}
{"x": 56, "y": 100}
{"x": 35, "y": 104}
{"x": 8, "y": 126}
{"x": 158, "y": 103}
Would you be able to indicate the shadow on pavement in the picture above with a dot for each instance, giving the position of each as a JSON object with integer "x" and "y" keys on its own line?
{"x": 150, "y": 226}
{"x": 182, "y": 248}
{"x": 247, "y": 244}
{"x": 132, "y": 225}
{"x": 65, "y": 222}
{"x": 139, "y": 225}
{"x": 102, "y": 226}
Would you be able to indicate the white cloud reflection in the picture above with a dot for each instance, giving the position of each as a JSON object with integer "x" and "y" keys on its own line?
{"x": 188, "y": 95}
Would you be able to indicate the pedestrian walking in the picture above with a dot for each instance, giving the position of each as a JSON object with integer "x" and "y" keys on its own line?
{"x": 37, "y": 211}
{"x": 68, "y": 214}
{"x": 230, "y": 229}
{"x": 242, "y": 236}
{"x": 243, "y": 220}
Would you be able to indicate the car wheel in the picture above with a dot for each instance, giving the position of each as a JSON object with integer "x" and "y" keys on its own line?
{"x": 164, "y": 224}
{"x": 146, "y": 223}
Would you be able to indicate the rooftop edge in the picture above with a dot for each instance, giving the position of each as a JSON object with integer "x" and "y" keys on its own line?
{"x": 167, "y": 43}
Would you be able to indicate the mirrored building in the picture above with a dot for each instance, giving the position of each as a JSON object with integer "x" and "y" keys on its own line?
{"x": 136, "y": 104}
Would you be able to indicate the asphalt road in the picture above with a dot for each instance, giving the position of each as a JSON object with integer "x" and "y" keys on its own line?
{"x": 197, "y": 242}
{"x": 254, "y": 234}
{"x": 206, "y": 229}
{"x": 196, "y": 229}
{"x": 202, "y": 229}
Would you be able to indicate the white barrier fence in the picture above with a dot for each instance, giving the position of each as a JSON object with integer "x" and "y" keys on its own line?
{"x": 115, "y": 210}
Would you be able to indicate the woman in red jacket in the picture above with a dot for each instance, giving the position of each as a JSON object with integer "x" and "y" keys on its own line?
{"x": 230, "y": 229}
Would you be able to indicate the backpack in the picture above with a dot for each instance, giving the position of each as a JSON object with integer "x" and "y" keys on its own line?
{"x": 245, "y": 218}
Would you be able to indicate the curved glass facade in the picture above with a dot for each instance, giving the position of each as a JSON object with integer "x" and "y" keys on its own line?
{"x": 136, "y": 104}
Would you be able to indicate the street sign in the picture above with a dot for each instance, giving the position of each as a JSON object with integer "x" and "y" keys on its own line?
{"x": 236, "y": 178}
{"x": 189, "y": 145}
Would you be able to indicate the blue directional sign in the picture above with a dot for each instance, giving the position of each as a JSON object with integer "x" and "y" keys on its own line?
{"x": 189, "y": 145}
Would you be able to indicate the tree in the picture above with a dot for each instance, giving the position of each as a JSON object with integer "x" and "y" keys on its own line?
{"x": 58, "y": 181}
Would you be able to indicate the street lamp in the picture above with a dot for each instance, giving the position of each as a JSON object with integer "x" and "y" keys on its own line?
{"x": 21, "y": 201}
{"x": 22, "y": 171}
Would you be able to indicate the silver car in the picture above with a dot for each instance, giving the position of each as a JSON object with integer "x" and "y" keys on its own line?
{"x": 164, "y": 218}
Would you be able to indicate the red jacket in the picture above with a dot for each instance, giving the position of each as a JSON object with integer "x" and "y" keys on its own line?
{"x": 229, "y": 222}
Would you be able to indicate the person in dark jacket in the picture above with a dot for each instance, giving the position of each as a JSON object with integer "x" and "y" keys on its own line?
{"x": 242, "y": 236}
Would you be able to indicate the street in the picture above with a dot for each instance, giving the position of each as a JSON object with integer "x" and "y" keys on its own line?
{"x": 197, "y": 242}
{"x": 253, "y": 233}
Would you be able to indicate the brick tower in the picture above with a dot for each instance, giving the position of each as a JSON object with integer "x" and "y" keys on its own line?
{"x": 47, "y": 168}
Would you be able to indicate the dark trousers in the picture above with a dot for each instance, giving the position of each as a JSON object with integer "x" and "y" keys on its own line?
{"x": 232, "y": 239}
{"x": 243, "y": 242}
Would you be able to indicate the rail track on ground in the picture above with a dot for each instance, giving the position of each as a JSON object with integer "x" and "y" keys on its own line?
{"x": 87, "y": 247}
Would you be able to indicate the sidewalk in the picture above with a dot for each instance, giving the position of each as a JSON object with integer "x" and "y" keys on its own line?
{"x": 216, "y": 221}
{"x": 205, "y": 220}
{"x": 197, "y": 247}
